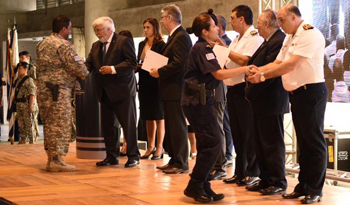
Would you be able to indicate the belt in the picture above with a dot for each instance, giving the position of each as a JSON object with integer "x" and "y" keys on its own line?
{"x": 208, "y": 93}
{"x": 21, "y": 100}
{"x": 304, "y": 87}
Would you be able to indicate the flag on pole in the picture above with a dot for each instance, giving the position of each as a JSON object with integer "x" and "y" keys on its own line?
{"x": 12, "y": 52}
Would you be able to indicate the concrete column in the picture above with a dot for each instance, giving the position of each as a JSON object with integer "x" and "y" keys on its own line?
{"x": 95, "y": 9}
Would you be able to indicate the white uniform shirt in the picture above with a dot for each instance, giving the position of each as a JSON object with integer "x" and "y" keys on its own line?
{"x": 246, "y": 46}
{"x": 309, "y": 44}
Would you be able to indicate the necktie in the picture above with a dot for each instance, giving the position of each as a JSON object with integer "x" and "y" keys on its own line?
{"x": 104, "y": 51}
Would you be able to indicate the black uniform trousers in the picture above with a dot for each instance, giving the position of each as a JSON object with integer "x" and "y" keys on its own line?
{"x": 308, "y": 109}
{"x": 241, "y": 121}
{"x": 125, "y": 112}
{"x": 270, "y": 149}
{"x": 176, "y": 134}
{"x": 208, "y": 136}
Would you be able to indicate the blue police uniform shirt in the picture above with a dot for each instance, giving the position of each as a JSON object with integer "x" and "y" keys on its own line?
{"x": 200, "y": 63}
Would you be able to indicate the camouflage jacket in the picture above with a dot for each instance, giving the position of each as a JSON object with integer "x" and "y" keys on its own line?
{"x": 25, "y": 91}
{"x": 58, "y": 62}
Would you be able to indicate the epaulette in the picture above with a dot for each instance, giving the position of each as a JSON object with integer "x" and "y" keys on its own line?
{"x": 208, "y": 46}
{"x": 307, "y": 27}
{"x": 253, "y": 32}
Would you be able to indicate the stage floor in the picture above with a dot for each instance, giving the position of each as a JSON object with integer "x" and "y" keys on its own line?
{"x": 23, "y": 180}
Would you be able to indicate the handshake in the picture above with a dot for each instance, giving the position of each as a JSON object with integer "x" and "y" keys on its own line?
{"x": 254, "y": 75}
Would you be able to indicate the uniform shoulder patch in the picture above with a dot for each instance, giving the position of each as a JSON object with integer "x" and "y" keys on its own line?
{"x": 3, "y": 79}
{"x": 253, "y": 32}
{"x": 210, "y": 56}
{"x": 307, "y": 27}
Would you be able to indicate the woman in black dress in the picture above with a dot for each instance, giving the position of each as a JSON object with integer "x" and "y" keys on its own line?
{"x": 151, "y": 107}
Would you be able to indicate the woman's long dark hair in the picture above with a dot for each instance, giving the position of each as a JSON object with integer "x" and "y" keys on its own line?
{"x": 156, "y": 30}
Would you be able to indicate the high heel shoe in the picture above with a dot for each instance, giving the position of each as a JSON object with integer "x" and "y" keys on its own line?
{"x": 158, "y": 157}
{"x": 147, "y": 156}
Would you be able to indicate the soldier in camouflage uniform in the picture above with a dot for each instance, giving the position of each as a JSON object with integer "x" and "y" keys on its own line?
{"x": 24, "y": 56}
{"x": 58, "y": 66}
{"x": 25, "y": 103}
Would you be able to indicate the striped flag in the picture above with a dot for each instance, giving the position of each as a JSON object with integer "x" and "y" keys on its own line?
{"x": 13, "y": 60}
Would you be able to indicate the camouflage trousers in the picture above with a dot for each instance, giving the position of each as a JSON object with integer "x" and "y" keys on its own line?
{"x": 74, "y": 128}
{"x": 25, "y": 122}
{"x": 57, "y": 119}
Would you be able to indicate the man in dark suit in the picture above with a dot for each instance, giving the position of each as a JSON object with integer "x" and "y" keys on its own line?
{"x": 112, "y": 61}
{"x": 269, "y": 101}
{"x": 171, "y": 86}
{"x": 222, "y": 24}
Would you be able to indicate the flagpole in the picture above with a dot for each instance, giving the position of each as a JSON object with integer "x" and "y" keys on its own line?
{"x": 15, "y": 60}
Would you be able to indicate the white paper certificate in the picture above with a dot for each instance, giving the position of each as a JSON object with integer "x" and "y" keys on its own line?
{"x": 154, "y": 60}
{"x": 221, "y": 53}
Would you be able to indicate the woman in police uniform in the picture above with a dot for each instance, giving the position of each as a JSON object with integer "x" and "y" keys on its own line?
{"x": 203, "y": 70}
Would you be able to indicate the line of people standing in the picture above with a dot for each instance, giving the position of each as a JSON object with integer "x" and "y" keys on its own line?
{"x": 187, "y": 87}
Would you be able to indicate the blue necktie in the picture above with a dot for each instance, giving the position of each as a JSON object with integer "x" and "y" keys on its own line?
{"x": 104, "y": 51}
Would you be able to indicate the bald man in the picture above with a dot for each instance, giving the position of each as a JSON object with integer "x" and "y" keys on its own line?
{"x": 300, "y": 63}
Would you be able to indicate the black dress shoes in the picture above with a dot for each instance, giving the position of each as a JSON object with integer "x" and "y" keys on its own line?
{"x": 293, "y": 195}
{"x": 164, "y": 167}
{"x": 199, "y": 196}
{"x": 210, "y": 192}
{"x": 132, "y": 163}
{"x": 272, "y": 190}
{"x": 310, "y": 199}
{"x": 257, "y": 186}
{"x": 175, "y": 170}
{"x": 147, "y": 156}
{"x": 217, "y": 175}
{"x": 247, "y": 181}
{"x": 107, "y": 162}
{"x": 231, "y": 180}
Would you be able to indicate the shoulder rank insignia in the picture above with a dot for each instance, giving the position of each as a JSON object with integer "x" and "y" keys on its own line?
{"x": 308, "y": 27}
{"x": 253, "y": 32}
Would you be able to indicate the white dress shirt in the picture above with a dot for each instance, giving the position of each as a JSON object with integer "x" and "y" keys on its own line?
{"x": 246, "y": 46}
{"x": 309, "y": 44}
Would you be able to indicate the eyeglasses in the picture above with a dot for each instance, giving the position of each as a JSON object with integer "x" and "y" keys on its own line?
{"x": 98, "y": 30}
{"x": 161, "y": 18}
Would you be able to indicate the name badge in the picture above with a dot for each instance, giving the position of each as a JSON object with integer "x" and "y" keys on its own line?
{"x": 210, "y": 56}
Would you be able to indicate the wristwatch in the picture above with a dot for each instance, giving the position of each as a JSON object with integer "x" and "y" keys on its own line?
{"x": 262, "y": 77}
